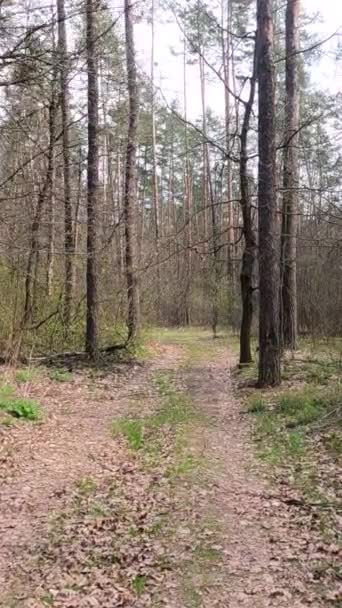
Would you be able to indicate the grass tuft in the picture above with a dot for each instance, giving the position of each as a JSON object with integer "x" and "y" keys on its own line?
{"x": 256, "y": 405}
{"x": 60, "y": 375}
{"x": 132, "y": 430}
{"x": 139, "y": 584}
{"x": 25, "y": 375}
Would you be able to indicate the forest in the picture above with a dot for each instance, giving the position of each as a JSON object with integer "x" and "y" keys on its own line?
{"x": 171, "y": 311}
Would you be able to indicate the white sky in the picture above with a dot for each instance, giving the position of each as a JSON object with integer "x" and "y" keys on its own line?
{"x": 168, "y": 71}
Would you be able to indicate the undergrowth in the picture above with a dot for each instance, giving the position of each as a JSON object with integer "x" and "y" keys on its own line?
{"x": 285, "y": 424}
{"x": 18, "y": 407}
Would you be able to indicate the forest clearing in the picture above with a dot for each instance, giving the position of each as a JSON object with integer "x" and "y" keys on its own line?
{"x": 171, "y": 303}
{"x": 164, "y": 483}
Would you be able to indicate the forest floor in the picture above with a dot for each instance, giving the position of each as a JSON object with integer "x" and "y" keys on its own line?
{"x": 167, "y": 483}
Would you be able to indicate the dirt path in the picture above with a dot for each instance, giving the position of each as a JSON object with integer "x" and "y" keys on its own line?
{"x": 259, "y": 566}
{"x": 253, "y": 555}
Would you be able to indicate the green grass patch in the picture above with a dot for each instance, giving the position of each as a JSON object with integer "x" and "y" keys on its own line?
{"x": 60, "y": 375}
{"x": 139, "y": 584}
{"x": 143, "y": 433}
{"x": 184, "y": 466}
{"x": 256, "y": 405}
{"x": 285, "y": 425}
{"x": 18, "y": 407}
{"x": 26, "y": 375}
{"x": 132, "y": 429}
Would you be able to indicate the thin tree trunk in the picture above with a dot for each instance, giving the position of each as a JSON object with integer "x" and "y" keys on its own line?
{"x": 31, "y": 270}
{"x": 155, "y": 189}
{"x": 205, "y": 167}
{"x": 269, "y": 348}
{"x": 52, "y": 199}
{"x": 250, "y": 248}
{"x": 187, "y": 203}
{"x": 130, "y": 177}
{"x": 64, "y": 102}
{"x": 225, "y": 42}
{"x": 288, "y": 312}
{"x": 92, "y": 181}
{"x": 155, "y": 185}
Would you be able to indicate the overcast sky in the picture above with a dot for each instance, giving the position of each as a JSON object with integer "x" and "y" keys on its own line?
{"x": 169, "y": 68}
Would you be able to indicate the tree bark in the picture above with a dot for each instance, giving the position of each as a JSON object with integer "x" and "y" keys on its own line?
{"x": 130, "y": 177}
{"x": 32, "y": 262}
{"x": 65, "y": 111}
{"x": 288, "y": 311}
{"x": 92, "y": 182}
{"x": 226, "y": 10}
{"x": 250, "y": 248}
{"x": 269, "y": 283}
{"x": 187, "y": 203}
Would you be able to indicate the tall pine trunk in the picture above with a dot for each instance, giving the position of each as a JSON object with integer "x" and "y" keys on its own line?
{"x": 288, "y": 312}
{"x": 269, "y": 346}
{"x": 226, "y": 10}
{"x": 65, "y": 112}
{"x": 250, "y": 243}
{"x": 92, "y": 181}
{"x": 130, "y": 177}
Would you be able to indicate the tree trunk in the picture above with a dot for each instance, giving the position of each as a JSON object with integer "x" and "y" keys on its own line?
{"x": 64, "y": 102}
{"x": 50, "y": 263}
{"x": 288, "y": 312}
{"x": 226, "y": 9}
{"x": 155, "y": 185}
{"x": 130, "y": 177}
{"x": 92, "y": 181}
{"x": 269, "y": 283}
{"x": 250, "y": 248}
{"x": 31, "y": 271}
{"x": 187, "y": 204}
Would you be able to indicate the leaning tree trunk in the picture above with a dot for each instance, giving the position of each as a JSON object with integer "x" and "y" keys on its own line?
{"x": 269, "y": 348}
{"x": 92, "y": 181}
{"x": 288, "y": 311}
{"x": 130, "y": 177}
{"x": 250, "y": 248}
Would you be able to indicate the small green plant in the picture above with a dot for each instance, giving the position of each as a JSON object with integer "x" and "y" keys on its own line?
{"x": 22, "y": 408}
{"x": 60, "y": 375}
{"x": 18, "y": 407}
{"x": 139, "y": 584}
